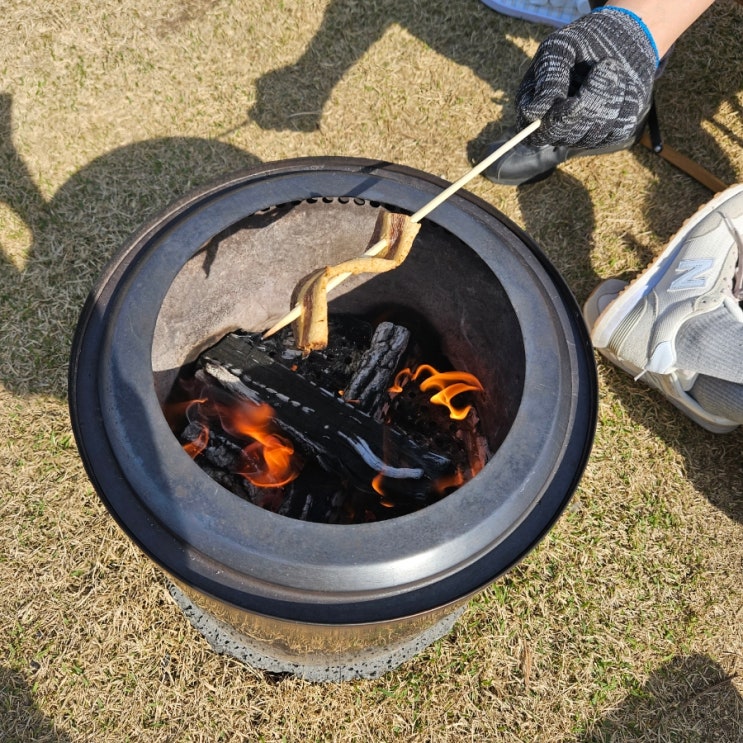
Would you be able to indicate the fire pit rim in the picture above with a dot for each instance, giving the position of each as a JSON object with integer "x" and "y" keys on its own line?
{"x": 156, "y": 235}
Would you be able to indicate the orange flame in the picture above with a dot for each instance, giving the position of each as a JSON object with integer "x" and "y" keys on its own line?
{"x": 450, "y": 384}
{"x": 401, "y": 379}
{"x": 450, "y": 481}
{"x": 195, "y": 447}
{"x": 268, "y": 460}
{"x": 377, "y": 485}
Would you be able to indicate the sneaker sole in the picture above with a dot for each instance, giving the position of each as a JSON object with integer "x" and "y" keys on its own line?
{"x": 610, "y": 319}
{"x": 679, "y": 399}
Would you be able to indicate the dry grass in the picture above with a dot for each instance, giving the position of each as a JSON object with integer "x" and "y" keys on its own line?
{"x": 623, "y": 625}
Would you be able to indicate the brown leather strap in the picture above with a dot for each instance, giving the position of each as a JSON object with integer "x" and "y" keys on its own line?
{"x": 685, "y": 164}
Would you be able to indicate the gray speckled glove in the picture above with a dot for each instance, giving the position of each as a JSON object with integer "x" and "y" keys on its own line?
{"x": 590, "y": 82}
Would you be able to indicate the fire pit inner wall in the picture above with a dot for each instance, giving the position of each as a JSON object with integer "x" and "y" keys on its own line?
{"x": 244, "y": 277}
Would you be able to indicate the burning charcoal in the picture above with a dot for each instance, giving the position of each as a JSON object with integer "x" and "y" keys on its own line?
{"x": 221, "y": 459}
{"x": 461, "y": 439}
{"x": 344, "y": 440}
{"x": 474, "y": 443}
{"x": 338, "y": 477}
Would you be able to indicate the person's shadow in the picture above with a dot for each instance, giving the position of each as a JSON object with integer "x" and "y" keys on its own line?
{"x": 690, "y": 698}
{"x": 100, "y": 205}
{"x": 20, "y": 719}
{"x": 293, "y": 97}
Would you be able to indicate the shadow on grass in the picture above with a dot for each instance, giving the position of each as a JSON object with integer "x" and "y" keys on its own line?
{"x": 689, "y": 96}
{"x": 20, "y": 719}
{"x": 690, "y": 699}
{"x": 474, "y": 36}
{"x": 73, "y": 235}
{"x": 293, "y": 97}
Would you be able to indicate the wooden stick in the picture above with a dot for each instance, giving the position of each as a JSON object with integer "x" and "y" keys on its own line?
{"x": 424, "y": 211}
{"x": 686, "y": 165}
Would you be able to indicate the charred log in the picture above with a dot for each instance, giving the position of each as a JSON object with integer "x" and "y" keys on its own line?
{"x": 376, "y": 370}
{"x": 344, "y": 439}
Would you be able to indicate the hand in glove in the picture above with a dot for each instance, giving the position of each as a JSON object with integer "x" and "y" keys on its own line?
{"x": 591, "y": 81}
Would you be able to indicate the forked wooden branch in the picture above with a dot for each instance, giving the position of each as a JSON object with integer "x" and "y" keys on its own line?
{"x": 424, "y": 211}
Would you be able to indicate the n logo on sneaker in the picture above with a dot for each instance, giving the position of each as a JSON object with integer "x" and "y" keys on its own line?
{"x": 692, "y": 274}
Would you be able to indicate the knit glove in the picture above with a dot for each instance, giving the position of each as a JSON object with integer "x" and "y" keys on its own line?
{"x": 591, "y": 81}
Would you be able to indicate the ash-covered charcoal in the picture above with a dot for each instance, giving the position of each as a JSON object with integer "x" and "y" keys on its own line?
{"x": 345, "y": 440}
{"x": 330, "y": 368}
{"x": 316, "y": 496}
{"x": 230, "y": 481}
{"x": 218, "y": 450}
{"x": 368, "y": 388}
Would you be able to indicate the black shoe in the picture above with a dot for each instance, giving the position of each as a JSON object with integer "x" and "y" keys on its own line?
{"x": 528, "y": 163}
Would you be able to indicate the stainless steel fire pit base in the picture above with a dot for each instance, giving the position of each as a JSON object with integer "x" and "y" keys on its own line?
{"x": 343, "y": 665}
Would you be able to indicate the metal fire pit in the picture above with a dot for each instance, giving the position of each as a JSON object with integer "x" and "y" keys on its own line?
{"x": 318, "y": 600}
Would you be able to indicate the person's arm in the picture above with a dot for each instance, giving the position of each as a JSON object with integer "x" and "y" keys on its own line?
{"x": 666, "y": 19}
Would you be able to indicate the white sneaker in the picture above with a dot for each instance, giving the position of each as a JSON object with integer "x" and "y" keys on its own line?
{"x": 700, "y": 271}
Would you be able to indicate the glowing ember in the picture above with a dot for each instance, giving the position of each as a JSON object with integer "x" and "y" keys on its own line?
{"x": 268, "y": 460}
{"x": 453, "y": 481}
{"x": 195, "y": 447}
{"x": 449, "y": 385}
{"x": 440, "y": 486}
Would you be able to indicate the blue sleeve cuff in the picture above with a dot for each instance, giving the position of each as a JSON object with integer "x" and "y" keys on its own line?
{"x": 640, "y": 23}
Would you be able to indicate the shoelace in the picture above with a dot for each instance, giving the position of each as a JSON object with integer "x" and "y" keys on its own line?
{"x": 738, "y": 278}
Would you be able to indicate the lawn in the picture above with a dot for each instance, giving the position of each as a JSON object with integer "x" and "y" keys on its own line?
{"x": 624, "y": 624}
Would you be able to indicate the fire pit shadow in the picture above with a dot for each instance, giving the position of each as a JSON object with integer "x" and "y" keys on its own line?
{"x": 321, "y": 600}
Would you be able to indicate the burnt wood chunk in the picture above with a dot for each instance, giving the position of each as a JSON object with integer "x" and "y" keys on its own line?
{"x": 368, "y": 388}
{"x": 344, "y": 439}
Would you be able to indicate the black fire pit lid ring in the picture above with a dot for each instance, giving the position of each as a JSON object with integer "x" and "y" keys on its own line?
{"x": 208, "y": 538}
